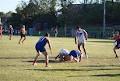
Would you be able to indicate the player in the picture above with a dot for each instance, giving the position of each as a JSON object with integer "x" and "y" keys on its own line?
{"x": 1, "y": 31}
{"x": 116, "y": 37}
{"x": 56, "y": 31}
{"x": 80, "y": 39}
{"x": 74, "y": 56}
{"x": 23, "y": 34}
{"x": 10, "y": 32}
{"x": 40, "y": 47}
{"x": 62, "y": 53}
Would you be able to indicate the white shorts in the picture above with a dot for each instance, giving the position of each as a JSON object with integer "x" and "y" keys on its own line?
{"x": 115, "y": 43}
{"x": 81, "y": 41}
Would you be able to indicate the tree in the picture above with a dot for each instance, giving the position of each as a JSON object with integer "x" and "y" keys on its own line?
{"x": 1, "y": 14}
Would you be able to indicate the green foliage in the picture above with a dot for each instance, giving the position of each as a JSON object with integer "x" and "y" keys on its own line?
{"x": 1, "y": 14}
{"x": 112, "y": 13}
{"x": 44, "y": 11}
{"x": 90, "y": 14}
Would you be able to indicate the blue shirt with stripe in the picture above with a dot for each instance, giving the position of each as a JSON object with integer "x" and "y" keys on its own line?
{"x": 75, "y": 53}
{"x": 42, "y": 42}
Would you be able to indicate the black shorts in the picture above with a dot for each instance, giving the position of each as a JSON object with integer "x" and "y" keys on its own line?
{"x": 10, "y": 33}
{"x": 23, "y": 35}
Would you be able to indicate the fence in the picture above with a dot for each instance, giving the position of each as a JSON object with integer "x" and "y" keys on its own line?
{"x": 69, "y": 31}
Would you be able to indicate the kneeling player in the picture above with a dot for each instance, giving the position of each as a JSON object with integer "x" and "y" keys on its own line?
{"x": 74, "y": 56}
{"x": 62, "y": 53}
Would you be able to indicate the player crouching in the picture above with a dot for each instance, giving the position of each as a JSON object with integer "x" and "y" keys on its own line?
{"x": 72, "y": 56}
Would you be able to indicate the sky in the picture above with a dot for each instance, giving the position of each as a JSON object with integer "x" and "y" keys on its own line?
{"x": 9, "y": 5}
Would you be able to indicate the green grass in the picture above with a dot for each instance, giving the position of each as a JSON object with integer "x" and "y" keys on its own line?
{"x": 16, "y": 61}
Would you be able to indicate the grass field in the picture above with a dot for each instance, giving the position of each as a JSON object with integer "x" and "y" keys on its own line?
{"x": 16, "y": 61}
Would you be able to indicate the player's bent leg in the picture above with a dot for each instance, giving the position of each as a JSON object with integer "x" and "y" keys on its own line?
{"x": 9, "y": 37}
{"x": 19, "y": 40}
{"x": 114, "y": 49}
{"x": 57, "y": 56}
{"x": 80, "y": 58}
{"x": 34, "y": 62}
{"x": 24, "y": 39}
{"x": 46, "y": 58}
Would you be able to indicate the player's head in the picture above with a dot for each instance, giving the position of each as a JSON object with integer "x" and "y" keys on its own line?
{"x": 78, "y": 28}
{"x": 0, "y": 24}
{"x": 10, "y": 26}
{"x": 117, "y": 32}
{"x": 46, "y": 35}
{"x": 23, "y": 26}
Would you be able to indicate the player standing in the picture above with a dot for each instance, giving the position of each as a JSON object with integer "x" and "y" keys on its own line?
{"x": 23, "y": 34}
{"x": 40, "y": 47}
{"x": 1, "y": 31}
{"x": 116, "y": 37}
{"x": 56, "y": 31}
{"x": 10, "y": 32}
{"x": 80, "y": 39}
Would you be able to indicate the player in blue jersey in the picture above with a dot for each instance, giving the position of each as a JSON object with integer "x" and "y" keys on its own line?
{"x": 62, "y": 53}
{"x": 40, "y": 47}
{"x": 74, "y": 56}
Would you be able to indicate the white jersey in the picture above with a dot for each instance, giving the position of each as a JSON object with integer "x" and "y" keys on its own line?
{"x": 64, "y": 51}
{"x": 80, "y": 35}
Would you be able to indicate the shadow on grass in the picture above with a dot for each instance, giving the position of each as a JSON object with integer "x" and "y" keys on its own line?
{"x": 52, "y": 57}
{"x": 20, "y": 57}
{"x": 107, "y": 75}
{"x": 16, "y": 57}
{"x": 82, "y": 69}
{"x": 98, "y": 75}
{"x": 14, "y": 65}
{"x": 102, "y": 41}
{"x": 100, "y": 66}
{"x": 43, "y": 61}
{"x": 101, "y": 58}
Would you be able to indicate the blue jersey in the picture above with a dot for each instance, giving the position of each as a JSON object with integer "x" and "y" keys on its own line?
{"x": 42, "y": 41}
{"x": 41, "y": 44}
{"x": 75, "y": 53}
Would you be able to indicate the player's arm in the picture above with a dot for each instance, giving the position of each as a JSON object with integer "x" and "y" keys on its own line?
{"x": 73, "y": 59}
{"x": 12, "y": 30}
{"x": 25, "y": 31}
{"x": 20, "y": 30}
{"x": 75, "y": 40}
{"x": 113, "y": 37}
{"x": 2, "y": 29}
{"x": 86, "y": 34}
{"x": 76, "y": 59}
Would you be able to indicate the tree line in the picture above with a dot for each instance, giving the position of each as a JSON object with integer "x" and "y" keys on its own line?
{"x": 63, "y": 12}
